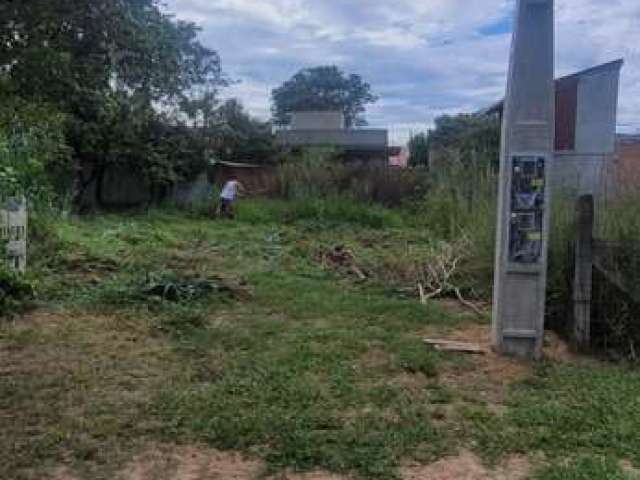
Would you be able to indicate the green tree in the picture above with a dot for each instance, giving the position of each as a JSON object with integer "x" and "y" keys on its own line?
{"x": 243, "y": 138}
{"x": 323, "y": 88}
{"x": 111, "y": 66}
{"x": 419, "y": 150}
{"x": 469, "y": 138}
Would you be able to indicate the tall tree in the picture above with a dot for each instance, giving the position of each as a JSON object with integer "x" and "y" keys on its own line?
{"x": 472, "y": 139}
{"x": 419, "y": 150}
{"x": 111, "y": 66}
{"x": 323, "y": 88}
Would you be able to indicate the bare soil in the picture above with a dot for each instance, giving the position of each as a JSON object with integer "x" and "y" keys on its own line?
{"x": 467, "y": 466}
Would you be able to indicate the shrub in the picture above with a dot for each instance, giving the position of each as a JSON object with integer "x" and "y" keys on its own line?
{"x": 34, "y": 159}
{"x": 15, "y": 293}
{"x": 322, "y": 172}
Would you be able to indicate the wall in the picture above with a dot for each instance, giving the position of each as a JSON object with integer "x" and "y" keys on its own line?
{"x": 317, "y": 121}
{"x": 360, "y": 139}
{"x": 626, "y": 168}
{"x": 587, "y": 107}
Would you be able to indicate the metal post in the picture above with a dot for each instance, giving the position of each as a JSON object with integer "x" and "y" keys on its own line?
{"x": 525, "y": 197}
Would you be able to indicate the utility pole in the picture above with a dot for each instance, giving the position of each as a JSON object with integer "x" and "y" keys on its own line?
{"x": 528, "y": 133}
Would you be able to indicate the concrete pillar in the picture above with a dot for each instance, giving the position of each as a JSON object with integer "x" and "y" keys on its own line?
{"x": 13, "y": 233}
{"x": 524, "y": 199}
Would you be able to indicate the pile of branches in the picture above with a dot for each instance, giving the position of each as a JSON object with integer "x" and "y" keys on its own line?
{"x": 439, "y": 276}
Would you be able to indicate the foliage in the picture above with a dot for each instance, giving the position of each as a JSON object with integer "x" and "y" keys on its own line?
{"x": 34, "y": 158}
{"x": 241, "y": 138}
{"x": 584, "y": 468}
{"x": 323, "y": 88}
{"x": 419, "y": 150}
{"x": 321, "y": 172}
{"x": 15, "y": 291}
{"x": 108, "y": 66}
{"x": 567, "y": 411}
{"x": 471, "y": 140}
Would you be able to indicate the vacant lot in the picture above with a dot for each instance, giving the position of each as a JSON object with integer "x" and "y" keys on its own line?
{"x": 171, "y": 346}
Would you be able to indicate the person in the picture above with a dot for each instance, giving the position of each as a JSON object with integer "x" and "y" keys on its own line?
{"x": 228, "y": 196}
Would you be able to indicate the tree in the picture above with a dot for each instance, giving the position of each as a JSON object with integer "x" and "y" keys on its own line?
{"x": 323, "y": 88}
{"x": 111, "y": 67}
{"x": 243, "y": 138}
{"x": 419, "y": 150}
{"x": 470, "y": 138}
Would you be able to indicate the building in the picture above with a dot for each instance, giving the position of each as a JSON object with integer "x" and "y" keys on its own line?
{"x": 328, "y": 128}
{"x": 626, "y": 172}
{"x": 585, "y": 137}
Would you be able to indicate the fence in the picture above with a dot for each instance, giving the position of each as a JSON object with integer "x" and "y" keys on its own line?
{"x": 606, "y": 301}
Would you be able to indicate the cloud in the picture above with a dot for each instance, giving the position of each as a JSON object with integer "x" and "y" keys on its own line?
{"x": 422, "y": 57}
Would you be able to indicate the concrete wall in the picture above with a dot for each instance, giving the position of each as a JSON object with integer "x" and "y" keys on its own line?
{"x": 597, "y": 111}
{"x": 317, "y": 121}
{"x": 586, "y": 169}
{"x": 361, "y": 139}
{"x": 580, "y": 174}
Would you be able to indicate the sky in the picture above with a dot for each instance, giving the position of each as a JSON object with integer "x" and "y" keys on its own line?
{"x": 423, "y": 58}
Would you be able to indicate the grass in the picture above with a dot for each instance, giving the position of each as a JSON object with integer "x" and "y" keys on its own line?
{"x": 585, "y": 468}
{"x": 307, "y": 367}
{"x": 568, "y": 410}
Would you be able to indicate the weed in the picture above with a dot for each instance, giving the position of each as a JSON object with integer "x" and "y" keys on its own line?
{"x": 566, "y": 411}
{"x": 584, "y": 468}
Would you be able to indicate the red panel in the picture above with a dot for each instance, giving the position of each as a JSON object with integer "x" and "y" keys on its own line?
{"x": 566, "y": 114}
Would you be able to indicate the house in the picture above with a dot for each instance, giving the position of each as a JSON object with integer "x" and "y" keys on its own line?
{"x": 328, "y": 129}
{"x": 585, "y": 132}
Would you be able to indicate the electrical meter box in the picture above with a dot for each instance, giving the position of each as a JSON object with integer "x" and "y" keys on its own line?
{"x": 526, "y": 226}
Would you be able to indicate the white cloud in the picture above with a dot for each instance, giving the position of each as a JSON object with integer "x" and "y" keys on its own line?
{"x": 423, "y": 57}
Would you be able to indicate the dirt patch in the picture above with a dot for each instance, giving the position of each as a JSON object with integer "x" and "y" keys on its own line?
{"x": 62, "y": 473}
{"x": 191, "y": 463}
{"x": 630, "y": 469}
{"x": 412, "y": 382}
{"x": 557, "y": 350}
{"x": 467, "y": 466}
{"x": 489, "y": 376}
{"x": 485, "y": 376}
{"x": 374, "y": 359}
{"x": 317, "y": 475}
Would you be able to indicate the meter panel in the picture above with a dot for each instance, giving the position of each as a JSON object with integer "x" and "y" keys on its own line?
{"x": 526, "y": 227}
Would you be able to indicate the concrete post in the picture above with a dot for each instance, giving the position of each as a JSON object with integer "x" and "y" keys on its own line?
{"x": 13, "y": 233}
{"x": 524, "y": 199}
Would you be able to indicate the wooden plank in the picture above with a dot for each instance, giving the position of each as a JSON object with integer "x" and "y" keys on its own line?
{"x": 455, "y": 346}
{"x": 583, "y": 275}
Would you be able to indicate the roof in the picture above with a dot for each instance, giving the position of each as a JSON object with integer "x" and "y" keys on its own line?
{"x": 625, "y": 139}
{"x": 614, "y": 65}
{"x": 234, "y": 164}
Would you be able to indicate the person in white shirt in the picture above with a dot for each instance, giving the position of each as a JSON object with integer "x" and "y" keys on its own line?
{"x": 228, "y": 196}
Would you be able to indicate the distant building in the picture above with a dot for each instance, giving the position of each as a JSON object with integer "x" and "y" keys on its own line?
{"x": 328, "y": 129}
{"x": 626, "y": 173}
{"x": 585, "y": 136}
{"x": 400, "y": 157}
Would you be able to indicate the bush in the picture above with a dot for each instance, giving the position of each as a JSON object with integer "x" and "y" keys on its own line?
{"x": 322, "y": 172}
{"x": 15, "y": 293}
{"x": 34, "y": 159}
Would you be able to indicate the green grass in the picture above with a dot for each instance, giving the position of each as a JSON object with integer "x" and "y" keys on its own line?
{"x": 565, "y": 411}
{"x": 309, "y": 367}
{"x": 584, "y": 468}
